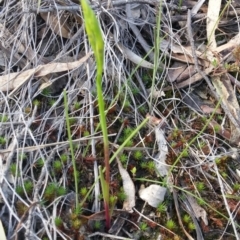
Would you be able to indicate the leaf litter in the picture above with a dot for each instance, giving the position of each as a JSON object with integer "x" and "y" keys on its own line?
{"x": 44, "y": 49}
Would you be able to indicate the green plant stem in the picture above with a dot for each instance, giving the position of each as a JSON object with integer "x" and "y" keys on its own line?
{"x": 105, "y": 190}
{"x": 156, "y": 51}
{"x": 103, "y": 125}
{"x": 96, "y": 40}
{"x": 71, "y": 146}
{"x": 117, "y": 95}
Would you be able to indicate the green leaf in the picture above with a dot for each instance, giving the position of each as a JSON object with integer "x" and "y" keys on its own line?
{"x": 94, "y": 34}
{"x": 105, "y": 186}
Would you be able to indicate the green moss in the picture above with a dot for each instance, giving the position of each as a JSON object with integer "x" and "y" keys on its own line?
{"x": 50, "y": 191}
{"x": 78, "y": 210}
{"x": 150, "y": 166}
{"x": 83, "y": 191}
{"x": 61, "y": 191}
{"x": 147, "y": 80}
{"x": 143, "y": 110}
{"x": 2, "y": 140}
{"x": 40, "y": 163}
{"x": 126, "y": 105}
{"x": 204, "y": 119}
{"x": 200, "y": 202}
{"x": 162, "y": 207}
{"x": 185, "y": 153}
{"x": 112, "y": 200}
{"x": 72, "y": 121}
{"x": 123, "y": 158}
{"x": 3, "y": 118}
{"x": 143, "y": 165}
{"x": 200, "y": 186}
{"x": 127, "y": 131}
{"x": 46, "y": 91}
{"x": 53, "y": 190}
{"x": 143, "y": 226}
{"x": 51, "y": 102}
{"x": 137, "y": 155}
{"x": 58, "y": 222}
{"x": 236, "y": 187}
{"x": 36, "y": 103}
{"x": 76, "y": 224}
{"x": 186, "y": 218}
{"x": 97, "y": 225}
{"x": 21, "y": 208}
{"x": 218, "y": 161}
{"x": 170, "y": 224}
{"x": 19, "y": 190}
{"x": 191, "y": 226}
{"x": 219, "y": 118}
{"x": 77, "y": 105}
{"x": 129, "y": 143}
{"x": 224, "y": 174}
{"x": 216, "y": 128}
{"x": 28, "y": 185}
{"x": 121, "y": 195}
{"x": 175, "y": 133}
{"x": 64, "y": 158}
{"x": 135, "y": 91}
{"x": 173, "y": 144}
{"x": 86, "y": 133}
{"x": 57, "y": 166}
{"x": 14, "y": 169}
{"x": 45, "y": 238}
{"x": 23, "y": 156}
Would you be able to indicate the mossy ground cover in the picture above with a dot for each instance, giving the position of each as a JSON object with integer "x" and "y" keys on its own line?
{"x": 38, "y": 184}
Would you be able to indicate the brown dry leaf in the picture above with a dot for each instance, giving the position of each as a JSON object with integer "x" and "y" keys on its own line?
{"x": 226, "y": 92}
{"x": 188, "y": 72}
{"x": 217, "y": 222}
{"x": 154, "y": 120}
{"x": 183, "y": 58}
{"x": 57, "y": 23}
{"x": 188, "y": 59}
{"x": 128, "y": 188}
{"x": 207, "y": 109}
{"x": 175, "y": 71}
{"x": 193, "y": 79}
{"x": 198, "y": 211}
{"x": 223, "y": 132}
{"x": 183, "y": 54}
{"x": 14, "y": 80}
{"x": 194, "y": 100}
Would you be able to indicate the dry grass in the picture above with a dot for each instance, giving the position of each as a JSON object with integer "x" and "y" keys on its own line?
{"x": 37, "y": 186}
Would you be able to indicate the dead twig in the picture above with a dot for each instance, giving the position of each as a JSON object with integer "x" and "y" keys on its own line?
{"x": 203, "y": 74}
